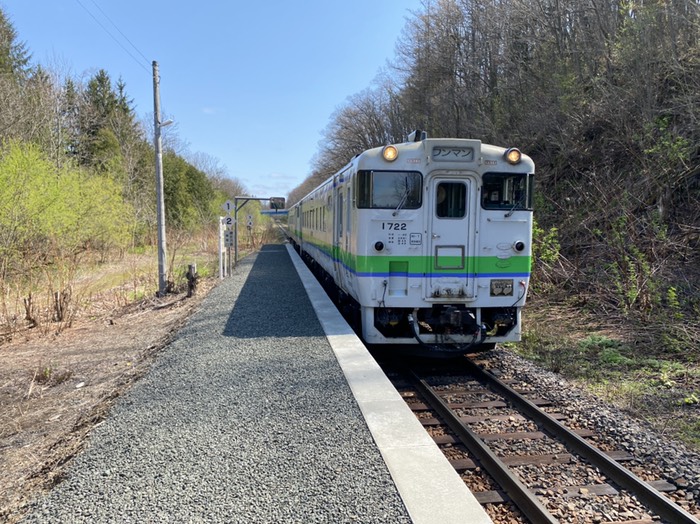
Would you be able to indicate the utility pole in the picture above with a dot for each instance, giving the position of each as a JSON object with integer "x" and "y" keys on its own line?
{"x": 160, "y": 208}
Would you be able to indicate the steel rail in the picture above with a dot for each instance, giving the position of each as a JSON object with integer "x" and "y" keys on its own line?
{"x": 624, "y": 478}
{"x": 521, "y": 496}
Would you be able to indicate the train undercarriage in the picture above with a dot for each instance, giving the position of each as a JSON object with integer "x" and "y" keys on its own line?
{"x": 443, "y": 329}
{"x": 444, "y": 320}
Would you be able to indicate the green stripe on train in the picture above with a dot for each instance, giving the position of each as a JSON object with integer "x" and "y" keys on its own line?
{"x": 421, "y": 264}
{"x": 445, "y": 265}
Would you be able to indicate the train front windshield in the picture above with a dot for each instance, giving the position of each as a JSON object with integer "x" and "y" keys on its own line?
{"x": 389, "y": 189}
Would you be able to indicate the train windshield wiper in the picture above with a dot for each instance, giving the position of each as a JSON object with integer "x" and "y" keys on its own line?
{"x": 403, "y": 199}
{"x": 518, "y": 204}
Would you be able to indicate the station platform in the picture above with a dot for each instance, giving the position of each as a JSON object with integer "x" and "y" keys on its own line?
{"x": 265, "y": 408}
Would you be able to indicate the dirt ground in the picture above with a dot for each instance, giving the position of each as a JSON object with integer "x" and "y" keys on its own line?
{"x": 55, "y": 389}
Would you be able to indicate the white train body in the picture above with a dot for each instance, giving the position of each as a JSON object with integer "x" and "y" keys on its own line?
{"x": 433, "y": 247}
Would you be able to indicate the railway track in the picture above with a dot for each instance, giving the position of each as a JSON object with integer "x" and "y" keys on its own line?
{"x": 522, "y": 460}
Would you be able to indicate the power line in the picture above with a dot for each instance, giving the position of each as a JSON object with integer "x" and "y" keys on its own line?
{"x": 117, "y": 28}
{"x": 114, "y": 38}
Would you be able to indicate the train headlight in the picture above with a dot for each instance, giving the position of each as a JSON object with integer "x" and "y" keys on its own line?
{"x": 390, "y": 153}
{"x": 513, "y": 155}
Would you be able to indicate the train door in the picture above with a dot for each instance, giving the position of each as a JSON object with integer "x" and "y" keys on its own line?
{"x": 300, "y": 220}
{"x": 451, "y": 220}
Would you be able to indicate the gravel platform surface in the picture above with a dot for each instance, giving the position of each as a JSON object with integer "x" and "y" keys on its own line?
{"x": 246, "y": 417}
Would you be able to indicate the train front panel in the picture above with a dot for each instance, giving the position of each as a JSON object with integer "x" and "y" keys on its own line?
{"x": 441, "y": 257}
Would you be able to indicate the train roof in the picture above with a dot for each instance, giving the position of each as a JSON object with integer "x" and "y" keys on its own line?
{"x": 412, "y": 152}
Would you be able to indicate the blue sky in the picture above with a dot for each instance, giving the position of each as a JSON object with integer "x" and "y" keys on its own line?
{"x": 251, "y": 83}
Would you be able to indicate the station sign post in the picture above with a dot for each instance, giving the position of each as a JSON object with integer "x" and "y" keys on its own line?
{"x": 228, "y": 229}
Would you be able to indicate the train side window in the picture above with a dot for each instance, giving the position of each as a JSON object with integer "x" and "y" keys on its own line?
{"x": 451, "y": 200}
{"x": 348, "y": 223}
{"x": 340, "y": 215}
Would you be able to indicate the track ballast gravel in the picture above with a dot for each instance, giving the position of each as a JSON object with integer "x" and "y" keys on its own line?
{"x": 246, "y": 417}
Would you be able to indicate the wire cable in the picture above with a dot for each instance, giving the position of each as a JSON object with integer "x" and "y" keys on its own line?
{"x": 113, "y": 37}
{"x": 120, "y": 32}
{"x": 524, "y": 290}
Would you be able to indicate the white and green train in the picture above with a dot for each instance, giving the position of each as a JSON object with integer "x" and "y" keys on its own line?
{"x": 428, "y": 242}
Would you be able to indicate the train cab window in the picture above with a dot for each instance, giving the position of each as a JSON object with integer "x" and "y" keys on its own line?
{"x": 507, "y": 191}
{"x": 389, "y": 189}
{"x": 451, "y": 200}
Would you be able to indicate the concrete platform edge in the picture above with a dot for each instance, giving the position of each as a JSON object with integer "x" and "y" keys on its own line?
{"x": 429, "y": 487}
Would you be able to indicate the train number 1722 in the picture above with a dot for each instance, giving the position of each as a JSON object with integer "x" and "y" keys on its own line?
{"x": 394, "y": 226}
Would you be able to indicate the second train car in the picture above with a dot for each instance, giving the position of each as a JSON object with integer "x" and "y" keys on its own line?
{"x": 428, "y": 242}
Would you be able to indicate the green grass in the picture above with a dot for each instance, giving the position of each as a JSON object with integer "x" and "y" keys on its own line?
{"x": 691, "y": 432}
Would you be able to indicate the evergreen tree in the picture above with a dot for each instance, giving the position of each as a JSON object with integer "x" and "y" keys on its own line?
{"x": 69, "y": 118}
{"x": 99, "y": 105}
{"x": 108, "y": 134}
{"x": 14, "y": 57}
{"x": 14, "y": 71}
